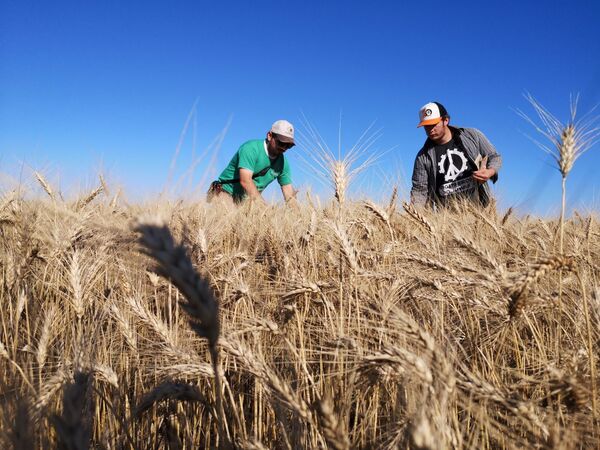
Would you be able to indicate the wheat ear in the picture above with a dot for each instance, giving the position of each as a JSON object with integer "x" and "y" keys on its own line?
{"x": 89, "y": 198}
{"x": 73, "y": 426}
{"x": 519, "y": 287}
{"x": 381, "y": 214}
{"x": 45, "y": 185}
{"x": 331, "y": 425}
{"x": 418, "y": 217}
{"x": 174, "y": 263}
{"x": 345, "y": 244}
{"x": 169, "y": 390}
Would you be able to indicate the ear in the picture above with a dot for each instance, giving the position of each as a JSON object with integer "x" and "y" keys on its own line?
{"x": 269, "y": 136}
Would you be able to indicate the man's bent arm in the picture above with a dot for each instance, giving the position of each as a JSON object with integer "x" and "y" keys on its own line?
{"x": 486, "y": 148}
{"x": 248, "y": 183}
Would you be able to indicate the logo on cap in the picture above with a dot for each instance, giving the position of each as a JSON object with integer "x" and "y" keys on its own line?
{"x": 428, "y": 112}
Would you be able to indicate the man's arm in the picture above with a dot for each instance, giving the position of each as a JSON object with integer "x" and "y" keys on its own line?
{"x": 285, "y": 181}
{"x": 419, "y": 193}
{"x": 494, "y": 160}
{"x": 288, "y": 192}
{"x": 248, "y": 183}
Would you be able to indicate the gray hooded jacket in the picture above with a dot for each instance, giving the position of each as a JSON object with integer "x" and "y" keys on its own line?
{"x": 424, "y": 174}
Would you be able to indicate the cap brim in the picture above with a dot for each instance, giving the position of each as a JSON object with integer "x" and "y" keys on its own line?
{"x": 282, "y": 138}
{"x": 429, "y": 122}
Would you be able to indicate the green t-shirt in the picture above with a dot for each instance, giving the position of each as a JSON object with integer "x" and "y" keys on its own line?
{"x": 252, "y": 155}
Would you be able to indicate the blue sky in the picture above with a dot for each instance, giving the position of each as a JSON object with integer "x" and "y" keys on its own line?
{"x": 89, "y": 86}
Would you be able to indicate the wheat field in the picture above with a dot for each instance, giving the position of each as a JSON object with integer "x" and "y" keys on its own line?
{"x": 343, "y": 325}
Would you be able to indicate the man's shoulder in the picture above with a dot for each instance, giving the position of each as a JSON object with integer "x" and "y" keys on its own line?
{"x": 427, "y": 145}
{"x": 469, "y": 132}
{"x": 253, "y": 144}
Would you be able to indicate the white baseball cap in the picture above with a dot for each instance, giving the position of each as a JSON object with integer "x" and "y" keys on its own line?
{"x": 284, "y": 131}
{"x": 431, "y": 113}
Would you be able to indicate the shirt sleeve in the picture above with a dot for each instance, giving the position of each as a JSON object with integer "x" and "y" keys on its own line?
{"x": 247, "y": 158}
{"x": 285, "y": 177}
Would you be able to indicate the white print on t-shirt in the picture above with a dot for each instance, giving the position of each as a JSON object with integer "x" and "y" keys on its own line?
{"x": 452, "y": 171}
{"x": 457, "y": 187}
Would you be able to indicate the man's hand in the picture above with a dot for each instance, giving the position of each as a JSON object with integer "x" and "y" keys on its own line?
{"x": 289, "y": 195}
{"x": 288, "y": 192}
{"x": 482, "y": 175}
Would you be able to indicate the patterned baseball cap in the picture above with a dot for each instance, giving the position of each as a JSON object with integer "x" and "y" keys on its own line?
{"x": 431, "y": 113}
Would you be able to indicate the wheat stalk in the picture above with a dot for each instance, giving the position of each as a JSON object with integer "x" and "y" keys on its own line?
{"x": 483, "y": 253}
{"x": 106, "y": 373}
{"x": 45, "y": 336}
{"x": 45, "y": 185}
{"x": 274, "y": 383}
{"x": 174, "y": 264}
{"x": 418, "y": 217}
{"x": 124, "y": 327}
{"x": 198, "y": 299}
{"x": 4, "y": 354}
{"x": 191, "y": 371}
{"x": 381, "y": 214}
{"x": 48, "y": 390}
{"x": 311, "y": 231}
{"x": 337, "y": 169}
{"x": 506, "y": 216}
{"x": 332, "y": 427}
{"x": 169, "y": 390}
{"x": 567, "y": 142}
{"x": 391, "y": 208}
{"x": 518, "y": 287}
{"x": 73, "y": 426}
{"x": 158, "y": 326}
{"x": 89, "y": 198}
{"x": 345, "y": 244}
{"x": 104, "y": 184}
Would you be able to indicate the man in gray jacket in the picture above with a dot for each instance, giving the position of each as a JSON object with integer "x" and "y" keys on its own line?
{"x": 454, "y": 163}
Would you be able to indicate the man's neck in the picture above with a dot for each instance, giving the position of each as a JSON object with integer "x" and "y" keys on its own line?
{"x": 447, "y": 137}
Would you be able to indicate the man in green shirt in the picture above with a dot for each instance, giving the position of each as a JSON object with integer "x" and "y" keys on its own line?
{"x": 255, "y": 165}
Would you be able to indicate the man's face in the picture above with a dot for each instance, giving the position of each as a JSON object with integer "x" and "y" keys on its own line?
{"x": 275, "y": 146}
{"x": 438, "y": 131}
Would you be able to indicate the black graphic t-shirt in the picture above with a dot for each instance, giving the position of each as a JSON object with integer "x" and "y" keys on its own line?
{"x": 454, "y": 172}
